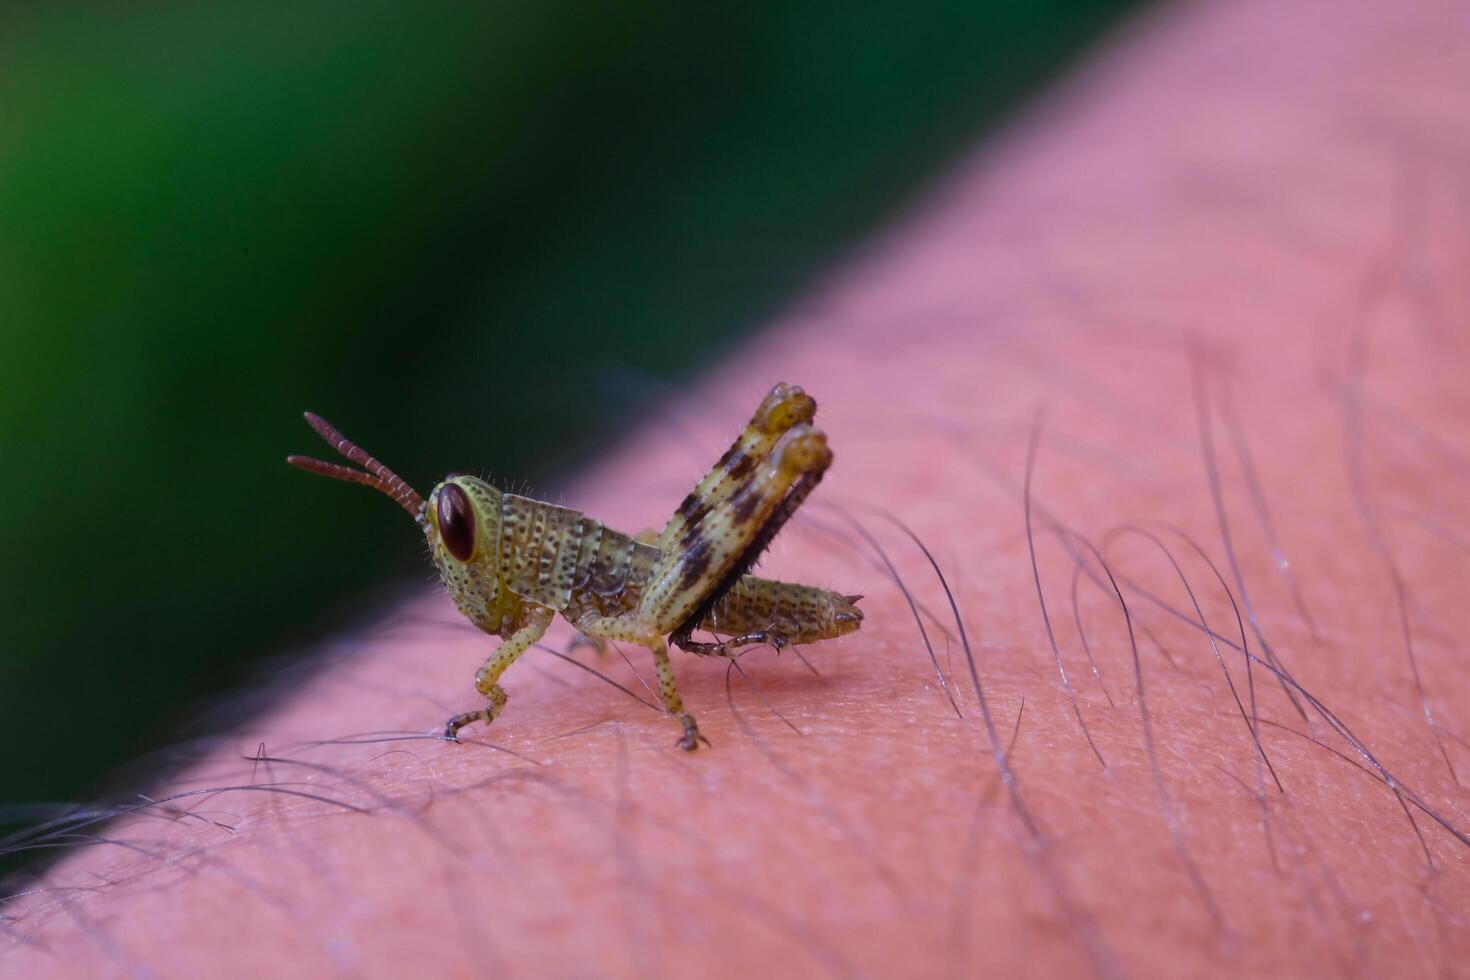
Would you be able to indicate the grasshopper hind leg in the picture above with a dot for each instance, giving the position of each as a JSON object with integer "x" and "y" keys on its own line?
{"x": 716, "y": 552}
{"x": 784, "y": 408}
{"x": 727, "y": 648}
{"x": 756, "y": 541}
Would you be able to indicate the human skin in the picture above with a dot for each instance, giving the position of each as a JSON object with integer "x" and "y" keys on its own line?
{"x": 1234, "y": 246}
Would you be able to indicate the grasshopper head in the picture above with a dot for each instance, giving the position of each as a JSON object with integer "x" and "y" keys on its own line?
{"x": 462, "y": 523}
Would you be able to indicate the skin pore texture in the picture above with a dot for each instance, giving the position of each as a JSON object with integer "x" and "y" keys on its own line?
{"x": 1214, "y": 293}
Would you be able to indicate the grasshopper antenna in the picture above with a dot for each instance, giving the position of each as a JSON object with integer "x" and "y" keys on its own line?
{"x": 377, "y": 476}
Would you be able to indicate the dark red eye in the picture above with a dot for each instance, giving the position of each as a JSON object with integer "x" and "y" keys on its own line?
{"x": 456, "y": 522}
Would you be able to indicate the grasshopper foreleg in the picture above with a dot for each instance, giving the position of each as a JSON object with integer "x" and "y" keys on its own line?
{"x": 487, "y": 678}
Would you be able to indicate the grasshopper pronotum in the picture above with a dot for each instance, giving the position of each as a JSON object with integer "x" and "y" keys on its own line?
{"x": 512, "y": 563}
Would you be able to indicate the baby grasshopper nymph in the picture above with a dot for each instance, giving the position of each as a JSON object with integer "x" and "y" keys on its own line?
{"x": 512, "y": 563}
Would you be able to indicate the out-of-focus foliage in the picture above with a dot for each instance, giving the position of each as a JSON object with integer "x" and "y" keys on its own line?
{"x": 444, "y": 226}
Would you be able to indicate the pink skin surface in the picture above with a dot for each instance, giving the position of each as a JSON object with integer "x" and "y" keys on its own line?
{"x": 1253, "y": 213}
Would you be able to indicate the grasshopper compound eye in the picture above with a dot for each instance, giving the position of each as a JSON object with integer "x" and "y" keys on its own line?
{"x": 456, "y": 522}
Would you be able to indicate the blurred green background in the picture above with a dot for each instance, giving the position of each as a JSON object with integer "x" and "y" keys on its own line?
{"x": 454, "y": 229}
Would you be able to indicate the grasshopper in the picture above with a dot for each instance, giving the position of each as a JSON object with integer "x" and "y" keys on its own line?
{"x": 511, "y": 563}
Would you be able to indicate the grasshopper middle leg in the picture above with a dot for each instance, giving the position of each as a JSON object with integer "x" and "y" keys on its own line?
{"x": 632, "y": 631}
{"x": 689, "y": 575}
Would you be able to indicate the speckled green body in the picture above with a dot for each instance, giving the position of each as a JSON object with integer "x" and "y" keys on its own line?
{"x": 539, "y": 554}
{"x": 512, "y": 564}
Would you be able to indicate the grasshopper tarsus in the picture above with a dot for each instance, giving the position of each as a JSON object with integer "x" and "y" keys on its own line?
{"x": 691, "y": 738}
